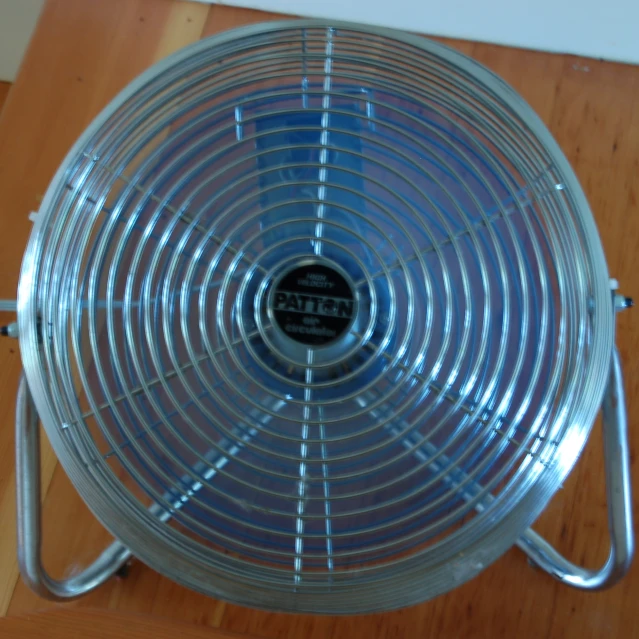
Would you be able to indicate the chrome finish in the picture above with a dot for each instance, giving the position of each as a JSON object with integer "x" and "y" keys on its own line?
{"x": 10, "y": 306}
{"x": 617, "y": 470}
{"x": 333, "y": 480}
{"x": 28, "y": 518}
{"x": 618, "y": 485}
{"x": 11, "y": 330}
{"x": 622, "y": 302}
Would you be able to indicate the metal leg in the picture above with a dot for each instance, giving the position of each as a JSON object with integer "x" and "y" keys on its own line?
{"x": 617, "y": 470}
{"x": 28, "y": 516}
{"x": 113, "y": 561}
{"x": 541, "y": 553}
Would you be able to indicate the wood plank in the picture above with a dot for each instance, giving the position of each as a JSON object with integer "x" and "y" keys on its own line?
{"x": 594, "y": 114}
{"x": 538, "y": 84}
{"x": 595, "y": 120}
{"x": 595, "y": 108}
{"x": 463, "y": 46}
{"x": 61, "y": 623}
{"x": 99, "y": 49}
{"x": 4, "y": 94}
{"x": 223, "y": 18}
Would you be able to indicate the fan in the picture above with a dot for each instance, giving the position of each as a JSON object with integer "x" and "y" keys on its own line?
{"x": 316, "y": 318}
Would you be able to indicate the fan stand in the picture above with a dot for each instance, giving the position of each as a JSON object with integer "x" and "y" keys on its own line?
{"x": 114, "y": 559}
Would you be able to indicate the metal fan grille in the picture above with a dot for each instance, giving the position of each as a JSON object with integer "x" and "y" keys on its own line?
{"x": 299, "y": 449}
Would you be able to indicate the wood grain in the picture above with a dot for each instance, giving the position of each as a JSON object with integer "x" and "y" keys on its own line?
{"x": 4, "y": 94}
{"x": 62, "y": 623}
{"x": 82, "y": 53}
{"x": 95, "y": 55}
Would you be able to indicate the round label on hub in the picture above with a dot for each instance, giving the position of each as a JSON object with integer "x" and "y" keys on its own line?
{"x": 313, "y": 304}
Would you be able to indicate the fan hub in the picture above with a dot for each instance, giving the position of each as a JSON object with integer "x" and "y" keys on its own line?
{"x": 313, "y": 304}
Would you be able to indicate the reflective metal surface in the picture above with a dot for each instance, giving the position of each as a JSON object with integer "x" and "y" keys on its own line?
{"x": 291, "y": 473}
{"x": 29, "y": 524}
{"x": 617, "y": 466}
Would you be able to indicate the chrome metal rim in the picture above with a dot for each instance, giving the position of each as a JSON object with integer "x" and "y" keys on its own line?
{"x": 314, "y": 477}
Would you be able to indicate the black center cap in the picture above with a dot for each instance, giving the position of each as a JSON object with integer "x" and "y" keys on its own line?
{"x": 313, "y": 304}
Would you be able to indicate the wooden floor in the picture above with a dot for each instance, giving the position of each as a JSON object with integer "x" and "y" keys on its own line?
{"x": 90, "y": 623}
{"x": 83, "y": 52}
{"x": 4, "y": 93}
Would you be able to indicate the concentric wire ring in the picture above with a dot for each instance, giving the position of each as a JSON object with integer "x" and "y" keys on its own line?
{"x": 349, "y": 464}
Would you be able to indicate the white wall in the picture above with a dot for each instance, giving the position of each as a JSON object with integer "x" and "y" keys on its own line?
{"x": 17, "y": 21}
{"x": 596, "y": 28}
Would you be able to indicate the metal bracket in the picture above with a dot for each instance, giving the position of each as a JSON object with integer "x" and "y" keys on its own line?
{"x": 617, "y": 472}
{"x": 29, "y": 515}
{"x": 541, "y": 553}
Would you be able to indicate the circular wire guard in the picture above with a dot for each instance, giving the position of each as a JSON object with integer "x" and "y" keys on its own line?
{"x": 288, "y": 464}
